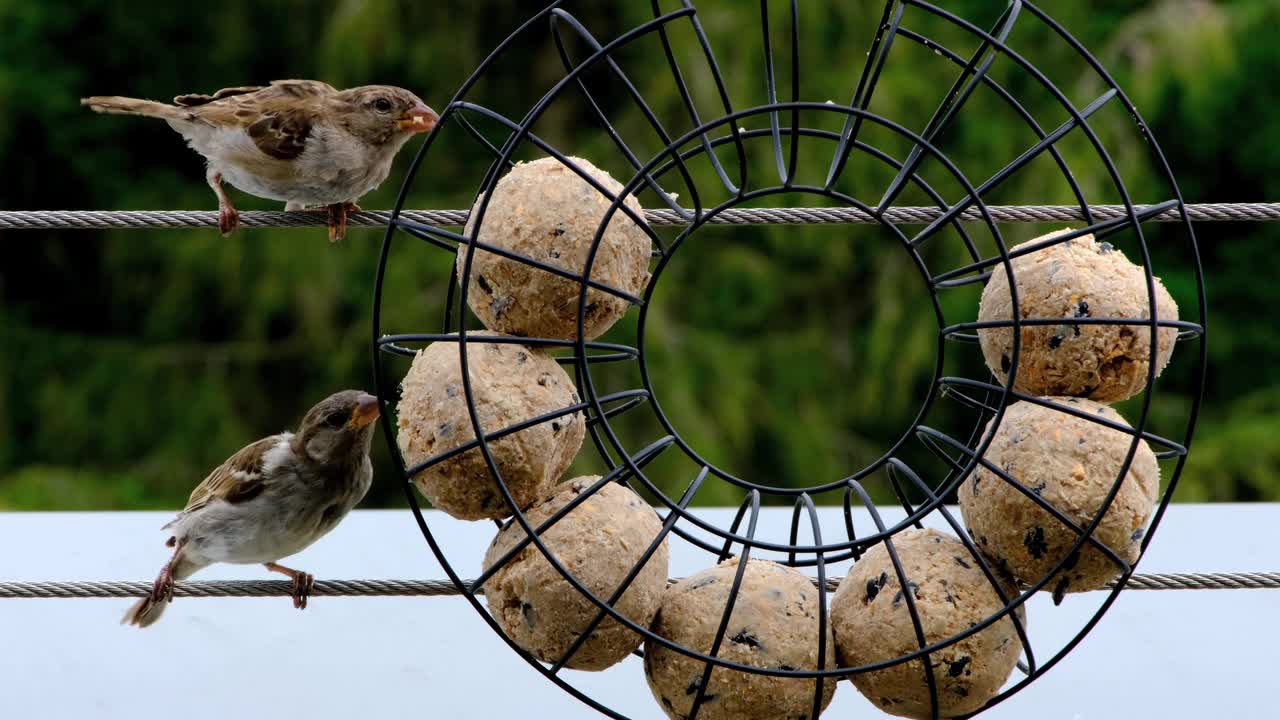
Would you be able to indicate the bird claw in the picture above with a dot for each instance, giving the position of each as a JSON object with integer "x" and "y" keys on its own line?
{"x": 228, "y": 220}
{"x": 162, "y": 591}
{"x": 303, "y": 584}
{"x": 338, "y": 220}
{"x": 336, "y": 215}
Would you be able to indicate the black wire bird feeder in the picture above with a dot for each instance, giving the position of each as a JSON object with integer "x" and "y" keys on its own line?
{"x": 779, "y": 129}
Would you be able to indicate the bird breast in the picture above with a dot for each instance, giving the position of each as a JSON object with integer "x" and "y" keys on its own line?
{"x": 294, "y": 511}
{"x": 333, "y": 167}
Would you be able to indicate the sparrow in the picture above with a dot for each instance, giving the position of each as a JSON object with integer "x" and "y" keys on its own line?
{"x": 300, "y": 141}
{"x": 272, "y": 499}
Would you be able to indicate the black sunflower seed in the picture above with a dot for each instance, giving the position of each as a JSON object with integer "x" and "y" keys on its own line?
{"x": 874, "y": 586}
{"x": 746, "y": 638}
{"x": 1035, "y": 543}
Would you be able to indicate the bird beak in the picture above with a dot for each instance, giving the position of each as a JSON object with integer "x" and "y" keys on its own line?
{"x": 420, "y": 119}
{"x": 366, "y": 411}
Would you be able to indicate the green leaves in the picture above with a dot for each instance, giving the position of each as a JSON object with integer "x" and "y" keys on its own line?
{"x": 132, "y": 362}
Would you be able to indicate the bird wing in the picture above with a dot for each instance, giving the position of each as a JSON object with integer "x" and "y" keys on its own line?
{"x": 278, "y": 118}
{"x": 238, "y": 479}
{"x": 287, "y": 88}
{"x": 194, "y": 99}
{"x": 283, "y": 133}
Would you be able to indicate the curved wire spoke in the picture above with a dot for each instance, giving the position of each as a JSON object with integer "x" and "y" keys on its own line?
{"x": 1086, "y": 211}
{"x": 963, "y": 535}
{"x": 975, "y": 71}
{"x": 431, "y": 233}
{"x": 972, "y": 630}
{"x": 478, "y": 583}
{"x": 642, "y": 458}
{"x": 520, "y": 132}
{"x": 984, "y": 406}
{"x": 753, "y": 502}
{"x": 613, "y": 412}
{"x": 795, "y": 95}
{"x": 901, "y": 494}
{"x": 461, "y": 119}
{"x": 1018, "y": 163}
{"x": 815, "y": 528}
{"x": 517, "y": 427}
{"x": 687, "y": 97}
{"x": 722, "y": 88}
{"x": 534, "y": 537}
{"x": 1099, "y": 230}
{"x": 1186, "y": 328}
{"x": 568, "y": 162}
{"x": 867, "y": 81}
{"x": 850, "y": 531}
{"x": 634, "y": 572}
{"x": 908, "y": 590}
{"x": 559, "y": 15}
{"x": 1067, "y": 409}
{"x": 394, "y": 341}
{"x": 728, "y": 211}
{"x": 1082, "y": 533}
{"x": 786, "y": 168}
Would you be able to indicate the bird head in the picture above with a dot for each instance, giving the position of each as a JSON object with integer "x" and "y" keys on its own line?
{"x": 380, "y": 114}
{"x": 339, "y": 429}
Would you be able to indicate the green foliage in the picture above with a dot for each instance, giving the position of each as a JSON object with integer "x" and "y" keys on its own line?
{"x": 132, "y": 362}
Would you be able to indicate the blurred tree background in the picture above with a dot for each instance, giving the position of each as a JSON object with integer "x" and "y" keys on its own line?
{"x": 132, "y": 362}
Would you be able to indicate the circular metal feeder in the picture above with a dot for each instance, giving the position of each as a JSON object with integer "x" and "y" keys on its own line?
{"x": 745, "y": 186}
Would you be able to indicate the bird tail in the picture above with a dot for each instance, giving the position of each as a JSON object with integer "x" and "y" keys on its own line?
{"x": 115, "y": 105}
{"x": 144, "y": 612}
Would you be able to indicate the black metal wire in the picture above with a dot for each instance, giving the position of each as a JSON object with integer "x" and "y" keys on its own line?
{"x": 1018, "y": 624}
{"x": 897, "y": 215}
{"x": 985, "y": 399}
{"x": 752, "y": 504}
{"x": 93, "y": 589}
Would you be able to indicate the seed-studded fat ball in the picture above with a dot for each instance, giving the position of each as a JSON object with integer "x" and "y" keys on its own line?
{"x": 1078, "y": 278}
{"x": 599, "y": 542}
{"x": 1072, "y": 464}
{"x": 545, "y": 211}
{"x": 872, "y": 623}
{"x": 511, "y": 384}
{"x": 774, "y": 625}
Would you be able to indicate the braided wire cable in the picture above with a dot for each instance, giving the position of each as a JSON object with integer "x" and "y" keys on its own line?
{"x": 439, "y": 588}
{"x": 142, "y": 219}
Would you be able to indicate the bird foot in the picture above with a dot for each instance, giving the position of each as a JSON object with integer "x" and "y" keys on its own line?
{"x": 338, "y": 219}
{"x": 162, "y": 590}
{"x": 335, "y": 213}
{"x": 303, "y": 583}
{"x": 228, "y": 219}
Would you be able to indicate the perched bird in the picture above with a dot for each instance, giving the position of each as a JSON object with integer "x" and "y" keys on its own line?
{"x": 300, "y": 141}
{"x": 272, "y": 499}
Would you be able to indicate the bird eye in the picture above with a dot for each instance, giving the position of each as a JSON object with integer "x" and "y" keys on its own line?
{"x": 336, "y": 420}
{"x": 382, "y": 105}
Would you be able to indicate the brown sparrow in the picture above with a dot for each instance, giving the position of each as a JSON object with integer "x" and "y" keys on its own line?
{"x": 300, "y": 141}
{"x": 272, "y": 499}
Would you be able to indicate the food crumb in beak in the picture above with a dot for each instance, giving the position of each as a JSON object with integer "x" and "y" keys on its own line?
{"x": 366, "y": 411}
{"x": 420, "y": 119}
